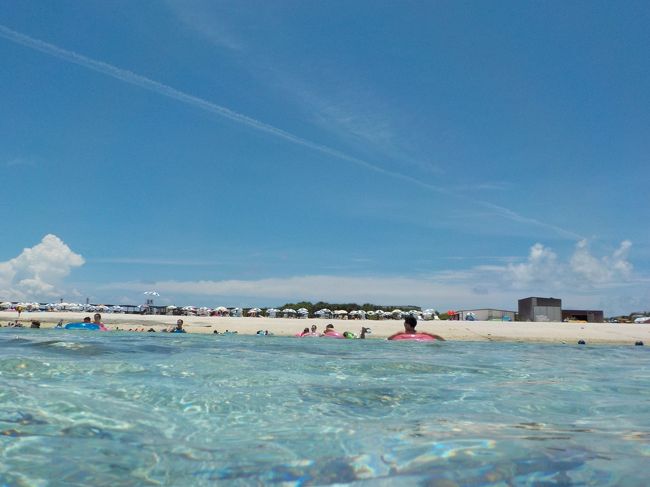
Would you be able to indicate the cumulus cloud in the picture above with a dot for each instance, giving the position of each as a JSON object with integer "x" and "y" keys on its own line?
{"x": 38, "y": 271}
{"x": 541, "y": 268}
{"x": 601, "y": 270}
{"x": 544, "y": 268}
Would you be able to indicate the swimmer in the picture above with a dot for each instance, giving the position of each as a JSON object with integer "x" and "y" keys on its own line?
{"x": 329, "y": 330}
{"x": 410, "y": 322}
{"x": 97, "y": 319}
{"x": 87, "y": 319}
{"x": 179, "y": 327}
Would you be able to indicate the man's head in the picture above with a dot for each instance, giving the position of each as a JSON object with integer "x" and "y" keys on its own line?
{"x": 411, "y": 321}
{"x": 313, "y": 328}
{"x": 87, "y": 319}
{"x": 97, "y": 317}
{"x": 179, "y": 324}
{"x": 329, "y": 327}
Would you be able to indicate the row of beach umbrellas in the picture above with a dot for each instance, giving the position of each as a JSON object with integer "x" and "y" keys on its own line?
{"x": 207, "y": 311}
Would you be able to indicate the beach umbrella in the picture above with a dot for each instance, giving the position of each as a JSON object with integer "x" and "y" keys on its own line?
{"x": 221, "y": 309}
{"x": 171, "y": 307}
{"x": 289, "y": 310}
{"x": 340, "y": 312}
{"x": 6, "y": 305}
{"x": 151, "y": 293}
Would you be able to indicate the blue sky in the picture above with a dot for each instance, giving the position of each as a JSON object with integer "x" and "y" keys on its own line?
{"x": 445, "y": 154}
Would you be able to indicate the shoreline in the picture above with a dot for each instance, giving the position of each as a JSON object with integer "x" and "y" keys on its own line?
{"x": 484, "y": 331}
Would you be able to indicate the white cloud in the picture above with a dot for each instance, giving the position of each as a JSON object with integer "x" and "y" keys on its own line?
{"x": 38, "y": 271}
{"x": 583, "y": 270}
{"x": 601, "y": 270}
{"x": 541, "y": 268}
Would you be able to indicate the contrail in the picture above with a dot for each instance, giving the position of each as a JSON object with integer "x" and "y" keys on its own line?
{"x": 165, "y": 90}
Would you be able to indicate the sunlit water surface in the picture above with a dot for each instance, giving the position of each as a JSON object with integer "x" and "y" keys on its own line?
{"x": 118, "y": 409}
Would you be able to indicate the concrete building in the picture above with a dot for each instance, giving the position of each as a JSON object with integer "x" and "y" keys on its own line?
{"x": 540, "y": 309}
{"x": 590, "y": 316}
{"x": 488, "y": 314}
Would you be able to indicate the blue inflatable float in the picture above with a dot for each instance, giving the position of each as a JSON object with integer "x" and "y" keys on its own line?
{"x": 81, "y": 326}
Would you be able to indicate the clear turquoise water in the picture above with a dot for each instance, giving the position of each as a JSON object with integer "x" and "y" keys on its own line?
{"x": 88, "y": 408}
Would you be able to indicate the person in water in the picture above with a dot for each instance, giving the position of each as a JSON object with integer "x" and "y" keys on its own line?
{"x": 329, "y": 330}
{"x": 179, "y": 327}
{"x": 87, "y": 319}
{"x": 97, "y": 320}
{"x": 410, "y": 322}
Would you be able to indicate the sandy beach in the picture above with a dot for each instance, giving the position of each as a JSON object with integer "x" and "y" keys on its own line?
{"x": 592, "y": 333}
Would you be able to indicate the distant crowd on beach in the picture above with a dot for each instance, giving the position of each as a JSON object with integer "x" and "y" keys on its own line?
{"x": 330, "y": 331}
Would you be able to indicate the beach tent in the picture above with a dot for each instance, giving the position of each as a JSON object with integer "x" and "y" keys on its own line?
{"x": 236, "y": 312}
{"x": 303, "y": 312}
{"x": 288, "y": 313}
{"x": 397, "y": 313}
{"x": 221, "y": 311}
{"x": 204, "y": 311}
{"x": 253, "y": 312}
{"x": 6, "y": 305}
{"x": 189, "y": 310}
{"x": 429, "y": 314}
{"x": 323, "y": 313}
{"x": 272, "y": 312}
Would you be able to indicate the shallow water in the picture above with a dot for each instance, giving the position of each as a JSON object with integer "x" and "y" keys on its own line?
{"x": 119, "y": 409}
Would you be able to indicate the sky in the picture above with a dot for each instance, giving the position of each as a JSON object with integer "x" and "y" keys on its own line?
{"x": 448, "y": 154}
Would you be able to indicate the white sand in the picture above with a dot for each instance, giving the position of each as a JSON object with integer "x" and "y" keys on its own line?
{"x": 618, "y": 333}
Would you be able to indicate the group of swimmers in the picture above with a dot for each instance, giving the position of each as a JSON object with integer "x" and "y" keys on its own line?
{"x": 331, "y": 332}
{"x": 409, "y": 333}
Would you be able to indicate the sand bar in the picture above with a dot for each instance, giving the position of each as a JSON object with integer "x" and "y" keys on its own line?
{"x": 592, "y": 333}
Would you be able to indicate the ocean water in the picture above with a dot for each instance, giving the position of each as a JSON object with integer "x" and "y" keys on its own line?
{"x": 121, "y": 409}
